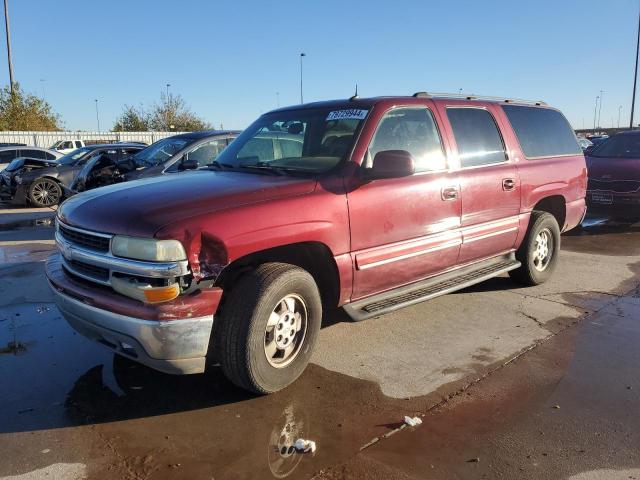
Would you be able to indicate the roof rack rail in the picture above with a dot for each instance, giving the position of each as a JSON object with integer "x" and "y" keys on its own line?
{"x": 421, "y": 95}
{"x": 473, "y": 96}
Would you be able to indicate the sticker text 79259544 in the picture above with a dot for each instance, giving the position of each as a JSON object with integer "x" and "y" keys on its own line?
{"x": 350, "y": 114}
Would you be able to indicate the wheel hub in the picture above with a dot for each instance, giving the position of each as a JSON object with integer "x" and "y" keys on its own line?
{"x": 285, "y": 331}
{"x": 543, "y": 250}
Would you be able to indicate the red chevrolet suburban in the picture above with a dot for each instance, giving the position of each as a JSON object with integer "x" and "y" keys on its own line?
{"x": 369, "y": 204}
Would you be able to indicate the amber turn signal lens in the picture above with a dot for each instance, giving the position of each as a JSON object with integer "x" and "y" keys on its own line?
{"x": 161, "y": 294}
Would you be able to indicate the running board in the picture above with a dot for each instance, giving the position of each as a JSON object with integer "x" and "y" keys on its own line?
{"x": 430, "y": 288}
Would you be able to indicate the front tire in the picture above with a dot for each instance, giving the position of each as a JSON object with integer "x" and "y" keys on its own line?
{"x": 539, "y": 250}
{"x": 268, "y": 327}
{"x": 45, "y": 192}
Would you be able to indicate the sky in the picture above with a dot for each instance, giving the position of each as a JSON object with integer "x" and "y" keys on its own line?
{"x": 229, "y": 60}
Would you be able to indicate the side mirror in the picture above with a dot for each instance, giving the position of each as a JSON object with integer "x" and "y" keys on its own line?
{"x": 187, "y": 164}
{"x": 391, "y": 164}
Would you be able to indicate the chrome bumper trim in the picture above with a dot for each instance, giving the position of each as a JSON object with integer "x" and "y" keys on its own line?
{"x": 171, "y": 346}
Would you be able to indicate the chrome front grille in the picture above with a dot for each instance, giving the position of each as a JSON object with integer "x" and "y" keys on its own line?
{"x": 91, "y": 241}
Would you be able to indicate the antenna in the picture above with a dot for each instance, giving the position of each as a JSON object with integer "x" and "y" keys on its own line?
{"x": 355, "y": 96}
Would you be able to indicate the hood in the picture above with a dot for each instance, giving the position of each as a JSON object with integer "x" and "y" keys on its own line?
{"x": 141, "y": 207}
{"x": 613, "y": 168}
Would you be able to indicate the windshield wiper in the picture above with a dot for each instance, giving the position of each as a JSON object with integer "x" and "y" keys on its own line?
{"x": 219, "y": 166}
{"x": 267, "y": 167}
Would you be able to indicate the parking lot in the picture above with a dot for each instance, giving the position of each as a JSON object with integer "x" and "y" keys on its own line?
{"x": 486, "y": 366}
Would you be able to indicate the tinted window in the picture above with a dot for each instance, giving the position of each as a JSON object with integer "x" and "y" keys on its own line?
{"x": 542, "y": 132}
{"x": 78, "y": 144}
{"x": 413, "y": 130}
{"x": 32, "y": 153}
{"x": 49, "y": 156}
{"x": 477, "y": 136}
{"x": 7, "y": 155}
{"x": 619, "y": 146}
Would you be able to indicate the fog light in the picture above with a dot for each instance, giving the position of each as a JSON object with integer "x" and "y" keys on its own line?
{"x": 144, "y": 291}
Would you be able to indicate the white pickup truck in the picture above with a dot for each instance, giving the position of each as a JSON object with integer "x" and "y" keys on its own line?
{"x": 67, "y": 146}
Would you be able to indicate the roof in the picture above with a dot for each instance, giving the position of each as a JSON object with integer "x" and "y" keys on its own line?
{"x": 629, "y": 132}
{"x": 115, "y": 145}
{"x": 25, "y": 147}
{"x": 206, "y": 134}
{"x": 371, "y": 101}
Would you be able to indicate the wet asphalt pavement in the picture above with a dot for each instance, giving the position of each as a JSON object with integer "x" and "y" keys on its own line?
{"x": 510, "y": 383}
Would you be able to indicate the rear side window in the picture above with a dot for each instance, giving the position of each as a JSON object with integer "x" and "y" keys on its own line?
{"x": 32, "y": 153}
{"x": 542, "y": 132}
{"x": 412, "y": 130}
{"x": 477, "y": 136}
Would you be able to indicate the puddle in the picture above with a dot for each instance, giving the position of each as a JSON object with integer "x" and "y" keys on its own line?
{"x": 604, "y": 236}
{"x": 44, "y": 222}
{"x": 563, "y": 410}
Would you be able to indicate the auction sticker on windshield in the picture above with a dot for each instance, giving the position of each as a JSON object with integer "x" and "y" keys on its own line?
{"x": 351, "y": 114}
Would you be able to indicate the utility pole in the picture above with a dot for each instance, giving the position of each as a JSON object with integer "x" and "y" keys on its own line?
{"x": 595, "y": 115}
{"x": 301, "y": 97}
{"x": 168, "y": 85}
{"x": 600, "y": 109}
{"x": 635, "y": 75}
{"x": 97, "y": 114}
{"x": 7, "y": 30}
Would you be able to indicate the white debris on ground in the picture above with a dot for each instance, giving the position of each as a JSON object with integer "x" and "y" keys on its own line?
{"x": 413, "y": 421}
{"x": 305, "y": 446}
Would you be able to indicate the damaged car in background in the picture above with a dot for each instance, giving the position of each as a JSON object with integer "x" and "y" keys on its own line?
{"x": 43, "y": 183}
{"x": 187, "y": 151}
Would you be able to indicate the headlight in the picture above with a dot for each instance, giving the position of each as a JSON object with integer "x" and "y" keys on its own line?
{"x": 147, "y": 249}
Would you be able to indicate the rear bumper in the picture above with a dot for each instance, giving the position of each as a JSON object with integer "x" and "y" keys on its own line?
{"x": 602, "y": 200}
{"x": 177, "y": 346}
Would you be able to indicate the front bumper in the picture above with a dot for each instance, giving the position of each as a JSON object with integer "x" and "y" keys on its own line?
{"x": 177, "y": 345}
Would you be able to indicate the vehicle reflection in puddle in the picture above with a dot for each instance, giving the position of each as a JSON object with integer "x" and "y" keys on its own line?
{"x": 604, "y": 236}
{"x": 43, "y": 222}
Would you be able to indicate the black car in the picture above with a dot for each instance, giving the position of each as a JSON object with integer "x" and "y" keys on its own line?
{"x": 186, "y": 151}
{"x": 43, "y": 183}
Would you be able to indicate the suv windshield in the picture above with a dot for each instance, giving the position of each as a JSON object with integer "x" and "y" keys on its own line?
{"x": 160, "y": 151}
{"x": 620, "y": 146}
{"x": 309, "y": 140}
{"x": 71, "y": 158}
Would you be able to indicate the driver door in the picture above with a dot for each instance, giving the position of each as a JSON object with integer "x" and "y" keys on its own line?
{"x": 405, "y": 229}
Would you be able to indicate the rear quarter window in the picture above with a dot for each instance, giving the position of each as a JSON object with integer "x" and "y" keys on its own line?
{"x": 542, "y": 132}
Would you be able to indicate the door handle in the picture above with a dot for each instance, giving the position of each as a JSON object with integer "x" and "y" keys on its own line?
{"x": 508, "y": 184}
{"x": 449, "y": 193}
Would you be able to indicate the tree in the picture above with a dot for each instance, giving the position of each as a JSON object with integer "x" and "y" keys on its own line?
{"x": 171, "y": 113}
{"x": 132, "y": 120}
{"x": 22, "y": 110}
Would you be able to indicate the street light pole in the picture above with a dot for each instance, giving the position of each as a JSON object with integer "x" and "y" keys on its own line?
{"x": 168, "y": 85}
{"x": 619, "y": 112}
{"x": 595, "y": 115}
{"x": 97, "y": 114}
{"x": 7, "y": 30}
{"x": 635, "y": 75}
{"x": 301, "y": 97}
{"x": 600, "y": 109}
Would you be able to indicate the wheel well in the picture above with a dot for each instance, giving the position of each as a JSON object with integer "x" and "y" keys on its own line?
{"x": 556, "y": 206}
{"x": 314, "y": 257}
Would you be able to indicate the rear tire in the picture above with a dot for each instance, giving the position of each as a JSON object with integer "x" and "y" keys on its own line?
{"x": 45, "y": 192}
{"x": 268, "y": 327}
{"x": 539, "y": 250}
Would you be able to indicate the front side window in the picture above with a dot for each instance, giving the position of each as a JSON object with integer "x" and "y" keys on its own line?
{"x": 477, "y": 136}
{"x": 307, "y": 140}
{"x": 160, "y": 151}
{"x": 618, "y": 146}
{"x": 72, "y": 157}
{"x": 205, "y": 153}
{"x": 542, "y": 132}
{"x": 32, "y": 153}
{"x": 412, "y": 130}
{"x": 7, "y": 155}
